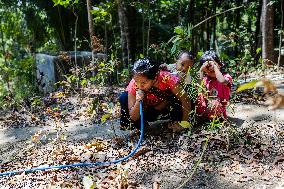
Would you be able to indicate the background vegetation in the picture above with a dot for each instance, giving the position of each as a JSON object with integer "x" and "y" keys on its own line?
{"x": 247, "y": 35}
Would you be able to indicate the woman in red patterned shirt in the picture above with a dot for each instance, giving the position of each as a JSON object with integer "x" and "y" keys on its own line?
{"x": 161, "y": 95}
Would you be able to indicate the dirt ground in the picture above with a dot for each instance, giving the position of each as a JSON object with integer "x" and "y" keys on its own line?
{"x": 247, "y": 152}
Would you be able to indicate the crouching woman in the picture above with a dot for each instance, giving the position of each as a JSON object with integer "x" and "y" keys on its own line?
{"x": 162, "y": 96}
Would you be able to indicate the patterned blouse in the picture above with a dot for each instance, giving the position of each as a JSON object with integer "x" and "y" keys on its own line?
{"x": 154, "y": 96}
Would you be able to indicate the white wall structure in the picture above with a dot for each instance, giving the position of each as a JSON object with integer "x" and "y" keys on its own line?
{"x": 45, "y": 72}
{"x": 50, "y": 69}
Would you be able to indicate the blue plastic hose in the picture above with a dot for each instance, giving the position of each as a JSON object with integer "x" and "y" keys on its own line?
{"x": 85, "y": 164}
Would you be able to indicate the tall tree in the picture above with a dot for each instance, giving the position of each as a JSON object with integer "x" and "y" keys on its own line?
{"x": 214, "y": 23}
{"x": 267, "y": 25}
{"x": 132, "y": 31}
{"x": 281, "y": 33}
{"x": 91, "y": 26}
{"x": 257, "y": 38}
{"x": 124, "y": 32}
{"x": 191, "y": 21}
{"x": 237, "y": 26}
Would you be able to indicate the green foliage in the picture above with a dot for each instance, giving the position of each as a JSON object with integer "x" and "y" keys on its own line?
{"x": 104, "y": 71}
{"x": 49, "y": 46}
{"x": 64, "y": 3}
{"x": 36, "y": 101}
{"x": 193, "y": 88}
{"x": 18, "y": 81}
{"x": 248, "y": 85}
{"x": 236, "y": 44}
{"x": 160, "y": 52}
{"x": 215, "y": 124}
{"x": 102, "y": 13}
{"x": 16, "y": 62}
{"x": 38, "y": 26}
{"x": 24, "y": 78}
{"x": 122, "y": 77}
{"x": 101, "y": 72}
{"x": 181, "y": 39}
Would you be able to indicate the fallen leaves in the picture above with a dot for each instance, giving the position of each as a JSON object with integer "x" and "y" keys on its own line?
{"x": 141, "y": 150}
{"x": 171, "y": 157}
{"x": 176, "y": 127}
{"x": 105, "y": 117}
{"x": 250, "y": 153}
{"x": 38, "y": 135}
{"x": 98, "y": 144}
{"x": 58, "y": 95}
{"x": 278, "y": 159}
{"x": 245, "y": 178}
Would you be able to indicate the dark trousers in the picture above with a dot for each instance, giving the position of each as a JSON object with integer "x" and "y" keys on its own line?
{"x": 173, "y": 112}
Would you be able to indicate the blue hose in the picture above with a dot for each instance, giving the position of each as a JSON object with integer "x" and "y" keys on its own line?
{"x": 86, "y": 164}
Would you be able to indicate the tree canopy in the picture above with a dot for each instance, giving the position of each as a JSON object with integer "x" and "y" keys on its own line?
{"x": 240, "y": 32}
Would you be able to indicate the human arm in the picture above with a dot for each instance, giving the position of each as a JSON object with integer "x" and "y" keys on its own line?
{"x": 168, "y": 67}
{"x": 202, "y": 69}
{"x": 133, "y": 104}
{"x": 186, "y": 108}
{"x": 185, "y": 101}
{"x": 220, "y": 77}
{"x": 212, "y": 69}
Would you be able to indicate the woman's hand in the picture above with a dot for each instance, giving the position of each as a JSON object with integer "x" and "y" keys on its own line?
{"x": 209, "y": 67}
{"x": 205, "y": 66}
{"x": 134, "y": 104}
{"x": 215, "y": 66}
{"x": 139, "y": 95}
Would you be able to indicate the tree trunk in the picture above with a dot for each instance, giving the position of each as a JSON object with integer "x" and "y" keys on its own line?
{"x": 132, "y": 32}
{"x": 124, "y": 32}
{"x": 75, "y": 35}
{"x": 191, "y": 21}
{"x": 142, "y": 30}
{"x": 281, "y": 34}
{"x": 106, "y": 38}
{"x": 206, "y": 28}
{"x": 148, "y": 34}
{"x": 257, "y": 39}
{"x": 62, "y": 27}
{"x": 179, "y": 13}
{"x": 91, "y": 26}
{"x": 148, "y": 28}
{"x": 3, "y": 42}
{"x": 238, "y": 21}
{"x": 214, "y": 23}
{"x": 267, "y": 18}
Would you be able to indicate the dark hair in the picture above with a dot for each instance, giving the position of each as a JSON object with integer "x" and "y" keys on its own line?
{"x": 210, "y": 55}
{"x": 189, "y": 54}
{"x": 146, "y": 67}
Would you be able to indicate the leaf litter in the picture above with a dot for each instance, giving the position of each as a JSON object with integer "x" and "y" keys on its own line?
{"x": 246, "y": 156}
